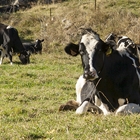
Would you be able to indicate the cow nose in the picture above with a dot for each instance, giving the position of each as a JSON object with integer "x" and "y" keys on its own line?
{"x": 86, "y": 74}
{"x": 90, "y": 74}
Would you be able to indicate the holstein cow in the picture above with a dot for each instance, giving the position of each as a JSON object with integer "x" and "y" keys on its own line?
{"x": 125, "y": 43}
{"x": 34, "y": 47}
{"x": 112, "y": 71}
{"x": 9, "y": 9}
{"x": 11, "y": 43}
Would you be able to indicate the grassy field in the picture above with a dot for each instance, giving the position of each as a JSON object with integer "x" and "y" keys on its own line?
{"x": 30, "y": 95}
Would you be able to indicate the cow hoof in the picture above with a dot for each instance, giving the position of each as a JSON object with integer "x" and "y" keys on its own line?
{"x": 83, "y": 108}
{"x": 80, "y": 111}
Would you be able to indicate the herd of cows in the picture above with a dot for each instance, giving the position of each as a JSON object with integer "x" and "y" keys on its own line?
{"x": 110, "y": 82}
{"x": 111, "y": 78}
{"x": 10, "y": 43}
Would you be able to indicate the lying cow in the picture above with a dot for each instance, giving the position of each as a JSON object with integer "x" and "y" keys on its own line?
{"x": 10, "y": 43}
{"x": 33, "y": 47}
{"x": 112, "y": 71}
{"x": 85, "y": 89}
{"x": 127, "y": 47}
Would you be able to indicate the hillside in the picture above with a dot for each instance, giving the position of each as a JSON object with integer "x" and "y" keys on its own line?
{"x": 60, "y": 23}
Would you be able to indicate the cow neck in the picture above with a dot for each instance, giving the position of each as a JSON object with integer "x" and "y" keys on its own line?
{"x": 100, "y": 71}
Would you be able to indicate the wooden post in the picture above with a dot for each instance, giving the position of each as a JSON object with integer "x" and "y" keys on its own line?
{"x": 50, "y": 14}
{"x": 95, "y": 5}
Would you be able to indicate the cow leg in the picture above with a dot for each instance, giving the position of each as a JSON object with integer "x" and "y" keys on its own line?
{"x": 1, "y": 60}
{"x": 70, "y": 105}
{"x": 2, "y": 57}
{"x": 10, "y": 57}
{"x": 83, "y": 108}
{"x": 102, "y": 106}
{"x": 79, "y": 85}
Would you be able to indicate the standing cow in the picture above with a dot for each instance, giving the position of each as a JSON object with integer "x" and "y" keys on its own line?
{"x": 10, "y": 43}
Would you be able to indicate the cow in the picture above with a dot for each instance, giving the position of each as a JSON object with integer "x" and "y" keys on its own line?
{"x": 126, "y": 45}
{"x": 10, "y": 43}
{"x": 111, "y": 70}
{"x": 33, "y": 47}
{"x": 9, "y": 9}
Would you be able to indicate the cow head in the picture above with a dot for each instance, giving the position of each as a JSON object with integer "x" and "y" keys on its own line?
{"x": 24, "y": 57}
{"x": 92, "y": 50}
{"x": 126, "y": 43}
{"x": 38, "y": 45}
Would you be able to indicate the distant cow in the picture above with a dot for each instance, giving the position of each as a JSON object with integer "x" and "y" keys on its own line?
{"x": 35, "y": 47}
{"x": 10, "y": 43}
{"x": 112, "y": 71}
{"x": 9, "y": 9}
{"x": 128, "y": 47}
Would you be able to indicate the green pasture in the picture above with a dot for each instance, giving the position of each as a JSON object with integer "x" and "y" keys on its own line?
{"x": 30, "y": 95}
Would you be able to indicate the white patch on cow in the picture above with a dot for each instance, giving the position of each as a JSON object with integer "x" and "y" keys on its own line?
{"x": 121, "y": 101}
{"x": 9, "y": 27}
{"x": 102, "y": 106}
{"x": 83, "y": 108}
{"x": 90, "y": 40}
{"x": 128, "y": 40}
{"x": 122, "y": 49}
{"x": 79, "y": 85}
{"x": 127, "y": 109}
{"x": 1, "y": 60}
{"x": 123, "y": 37}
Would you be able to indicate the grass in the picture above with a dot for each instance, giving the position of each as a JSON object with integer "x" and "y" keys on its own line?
{"x": 30, "y": 99}
{"x": 30, "y": 95}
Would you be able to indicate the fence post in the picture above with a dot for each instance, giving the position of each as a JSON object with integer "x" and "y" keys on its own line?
{"x": 95, "y": 5}
{"x": 50, "y": 13}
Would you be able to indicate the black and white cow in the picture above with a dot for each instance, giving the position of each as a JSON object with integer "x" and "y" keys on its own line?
{"x": 112, "y": 71}
{"x": 9, "y": 9}
{"x": 34, "y": 47}
{"x": 10, "y": 43}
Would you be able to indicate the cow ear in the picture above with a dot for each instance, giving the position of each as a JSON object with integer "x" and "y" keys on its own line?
{"x": 108, "y": 48}
{"x": 72, "y": 49}
{"x": 42, "y": 40}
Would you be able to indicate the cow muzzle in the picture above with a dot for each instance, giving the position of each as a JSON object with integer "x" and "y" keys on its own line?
{"x": 90, "y": 75}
